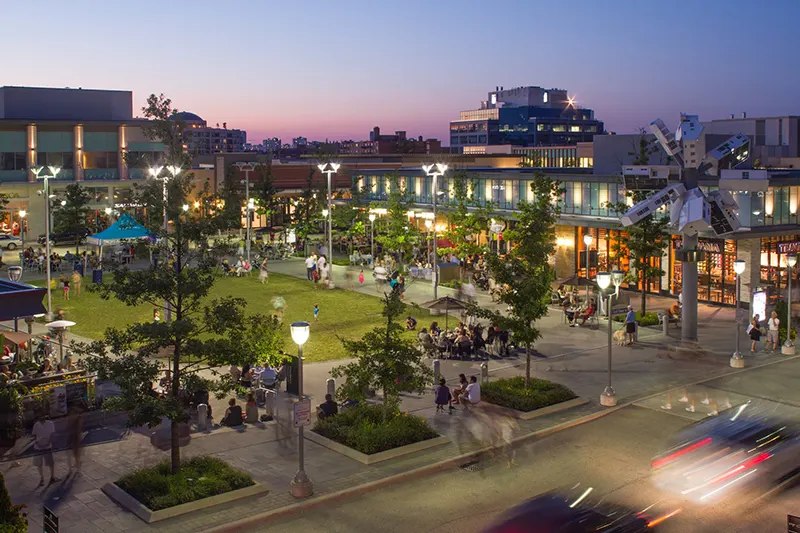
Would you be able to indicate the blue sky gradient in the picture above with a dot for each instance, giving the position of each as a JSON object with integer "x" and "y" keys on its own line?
{"x": 335, "y": 69}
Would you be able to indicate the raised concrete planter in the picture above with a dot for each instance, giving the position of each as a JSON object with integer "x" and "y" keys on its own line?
{"x": 550, "y": 409}
{"x": 375, "y": 457}
{"x": 133, "y": 505}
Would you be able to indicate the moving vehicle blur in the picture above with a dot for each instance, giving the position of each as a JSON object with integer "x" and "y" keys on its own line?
{"x": 747, "y": 450}
{"x": 575, "y": 510}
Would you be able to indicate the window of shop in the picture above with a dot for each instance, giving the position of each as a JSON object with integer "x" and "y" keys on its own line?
{"x": 716, "y": 280}
{"x": 773, "y": 263}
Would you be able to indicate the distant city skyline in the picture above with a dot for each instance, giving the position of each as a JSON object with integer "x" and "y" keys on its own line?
{"x": 324, "y": 71}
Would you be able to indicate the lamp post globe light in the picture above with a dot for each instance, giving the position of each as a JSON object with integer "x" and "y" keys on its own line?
{"x": 372, "y": 238}
{"x": 737, "y": 361}
{"x": 788, "y": 345}
{"x": 329, "y": 169}
{"x": 434, "y": 171}
{"x": 608, "y": 398}
{"x": 155, "y": 172}
{"x": 37, "y": 171}
{"x": 22, "y": 215}
{"x": 301, "y": 486}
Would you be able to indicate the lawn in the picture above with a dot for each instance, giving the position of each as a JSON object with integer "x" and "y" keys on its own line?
{"x": 343, "y": 313}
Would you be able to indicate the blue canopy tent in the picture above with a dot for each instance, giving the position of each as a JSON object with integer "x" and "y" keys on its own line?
{"x": 125, "y": 228}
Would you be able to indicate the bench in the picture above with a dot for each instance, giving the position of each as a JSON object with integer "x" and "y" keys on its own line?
{"x": 672, "y": 319}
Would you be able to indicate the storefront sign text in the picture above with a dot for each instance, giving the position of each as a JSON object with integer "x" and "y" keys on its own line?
{"x": 788, "y": 247}
{"x": 706, "y": 246}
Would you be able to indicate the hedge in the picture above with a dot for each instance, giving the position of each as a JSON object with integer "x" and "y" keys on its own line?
{"x": 512, "y": 393}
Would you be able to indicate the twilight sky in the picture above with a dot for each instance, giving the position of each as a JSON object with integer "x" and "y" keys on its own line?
{"x": 334, "y": 69}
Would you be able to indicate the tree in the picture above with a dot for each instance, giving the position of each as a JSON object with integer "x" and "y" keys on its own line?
{"x": 398, "y": 236}
{"x": 649, "y": 238}
{"x": 265, "y": 192}
{"x": 350, "y": 219}
{"x": 466, "y": 218}
{"x": 166, "y": 126}
{"x": 13, "y": 518}
{"x": 74, "y": 214}
{"x": 230, "y": 200}
{"x": 204, "y": 335}
{"x": 307, "y": 209}
{"x": 525, "y": 274}
{"x": 385, "y": 360}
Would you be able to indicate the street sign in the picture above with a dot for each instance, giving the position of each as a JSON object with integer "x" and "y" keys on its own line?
{"x": 793, "y": 524}
{"x": 302, "y": 413}
{"x": 50, "y": 521}
{"x": 619, "y": 310}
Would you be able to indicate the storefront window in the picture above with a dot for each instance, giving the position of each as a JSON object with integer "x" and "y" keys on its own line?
{"x": 716, "y": 280}
{"x": 773, "y": 263}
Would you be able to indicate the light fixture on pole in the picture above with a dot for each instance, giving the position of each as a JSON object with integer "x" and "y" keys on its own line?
{"x": 587, "y": 240}
{"x": 37, "y": 171}
{"x": 301, "y": 486}
{"x": 737, "y": 361}
{"x": 372, "y": 237}
{"x": 22, "y": 215}
{"x": 247, "y": 168}
{"x": 434, "y": 171}
{"x": 788, "y": 345}
{"x": 329, "y": 169}
{"x": 155, "y": 172}
{"x": 608, "y": 398}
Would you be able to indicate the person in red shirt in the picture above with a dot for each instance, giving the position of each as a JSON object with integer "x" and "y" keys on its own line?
{"x": 589, "y": 311}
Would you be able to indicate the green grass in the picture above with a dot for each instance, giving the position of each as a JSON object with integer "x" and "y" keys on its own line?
{"x": 512, "y": 393}
{"x": 363, "y": 428}
{"x": 199, "y": 477}
{"x": 343, "y": 313}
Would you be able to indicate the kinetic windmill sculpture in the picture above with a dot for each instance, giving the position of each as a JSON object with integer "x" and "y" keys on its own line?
{"x": 691, "y": 210}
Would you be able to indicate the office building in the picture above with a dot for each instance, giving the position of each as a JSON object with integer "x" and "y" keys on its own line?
{"x": 271, "y": 146}
{"x": 399, "y": 143}
{"x": 88, "y": 133}
{"x": 524, "y": 116}
{"x": 199, "y": 139}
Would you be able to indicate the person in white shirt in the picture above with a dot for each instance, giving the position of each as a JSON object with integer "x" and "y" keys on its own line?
{"x": 268, "y": 377}
{"x": 43, "y": 431}
{"x": 321, "y": 265}
{"x": 309, "y": 266}
{"x": 472, "y": 394}
{"x": 774, "y": 324}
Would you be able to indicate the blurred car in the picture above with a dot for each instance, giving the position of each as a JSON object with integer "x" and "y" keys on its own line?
{"x": 67, "y": 237}
{"x": 573, "y": 511}
{"x": 9, "y": 242}
{"x": 745, "y": 450}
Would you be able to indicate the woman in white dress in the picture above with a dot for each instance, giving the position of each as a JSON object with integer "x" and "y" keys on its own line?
{"x": 263, "y": 275}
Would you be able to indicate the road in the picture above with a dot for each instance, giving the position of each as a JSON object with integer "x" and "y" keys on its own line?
{"x": 611, "y": 454}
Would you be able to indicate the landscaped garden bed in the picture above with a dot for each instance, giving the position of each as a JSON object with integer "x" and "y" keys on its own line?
{"x": 539, "y": 398}
{"x": 362, "y": 434}
{"x": 156, "y": 493}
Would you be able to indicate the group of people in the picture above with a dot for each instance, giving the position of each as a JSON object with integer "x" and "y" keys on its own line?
{"x": 317, "y": 269}
{"x": 466, "y": 393}
{"x": 771, "y": 330}
{"x": 464, "y": 340}
{"x": 573, "y": 309}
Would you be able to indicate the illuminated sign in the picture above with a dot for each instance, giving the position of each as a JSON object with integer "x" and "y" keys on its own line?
{"x": 788, "y": 247}
{"x": 760, "y": 304}
{"x": 706, "y": 246}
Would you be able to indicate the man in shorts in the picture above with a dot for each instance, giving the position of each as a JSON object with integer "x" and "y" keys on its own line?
{"x": 43, "y": 431}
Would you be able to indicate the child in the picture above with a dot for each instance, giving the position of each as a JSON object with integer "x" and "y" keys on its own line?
{"x": 65, "y": 283}
{"x": 316, "y": 312}
{"x": 361, "y": 277}
{"x": 443, "y": 396}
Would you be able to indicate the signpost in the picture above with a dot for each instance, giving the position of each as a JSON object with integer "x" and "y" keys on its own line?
{"x": 619, "y": 310}
{"x": 302, "y": 413}
{"x": 50, "y": 521}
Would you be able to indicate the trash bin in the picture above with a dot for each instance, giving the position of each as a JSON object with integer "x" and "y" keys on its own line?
{"x": 97, "y": 275}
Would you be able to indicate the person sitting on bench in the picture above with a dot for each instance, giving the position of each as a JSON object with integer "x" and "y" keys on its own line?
{"x": 329, "y": 407}
{"x": 233, "y": 414}
{"x": 674, "y": 312}
{"x": 583, "y": 316}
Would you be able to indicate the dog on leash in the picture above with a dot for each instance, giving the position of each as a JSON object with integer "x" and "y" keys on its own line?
{"x": 619, "y": 337}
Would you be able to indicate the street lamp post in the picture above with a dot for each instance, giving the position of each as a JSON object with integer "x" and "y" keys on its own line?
{"x": 329, "y": 169}
{"x": 372, "y": 238}
{"x": 46, "y": 192}
{"x": 788, "y": 345}
{"x": 301, "y": 486}
{"x": 737, "y": 361}
{"x": 155, "y": 171}
{"x": 247, "y": 168}
{"x": 22, "y": 215}
{"x": 428, "y": 226}
{"x": 604, "y": 280}
{"x": 434, "y": 171}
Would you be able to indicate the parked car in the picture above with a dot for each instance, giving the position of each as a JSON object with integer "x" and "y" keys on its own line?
{"x": 68, "y": 237}
{"x": 9, "y": 242}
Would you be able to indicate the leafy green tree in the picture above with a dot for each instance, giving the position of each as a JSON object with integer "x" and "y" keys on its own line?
{"x": 165, "y": 126}
{"x": 265, "y": 193}
{"x": 398, "y": 235}
{"x": 74, "y": 215}
{"x": 384, "y": 359}
{"x": 524, "y": 274}
{"x": 204, "y": 335}
{"x": 350, "y": 220}
{"x": 307, "y": 209}
{"x": 231, "y": 199}
{"x": 466, "y": 218}
{"x": 649, "y": 238}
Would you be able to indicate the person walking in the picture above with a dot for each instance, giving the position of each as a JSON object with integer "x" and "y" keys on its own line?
{"x": 43, "y": 431}
{"x": 316, "y": 313}
{"x": 755, "y": 333}
{"x": 361, "y": 277}
{"x": 773, "y": 324}
{"x": 630, "y": 325}
{"x": 310, "y": 263}
{"x": 263, "y": 274}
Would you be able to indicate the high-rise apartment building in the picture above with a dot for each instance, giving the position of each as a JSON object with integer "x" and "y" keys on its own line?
{"x": 199, "y": 139}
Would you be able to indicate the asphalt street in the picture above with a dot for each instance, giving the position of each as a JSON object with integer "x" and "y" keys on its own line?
{"x": 611, "y": 454}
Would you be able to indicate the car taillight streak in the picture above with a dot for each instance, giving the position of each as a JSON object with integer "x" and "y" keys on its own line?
{"x": 760, "y": 458}
{"x": 658, "y": 463}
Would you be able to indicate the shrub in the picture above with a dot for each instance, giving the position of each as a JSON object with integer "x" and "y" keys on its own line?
{"x": 199, "y": 477}
{"x": 341, "y": 262}
{"x": 512, "y": 393}
{"x": 363, "y": 428}
{"x": 12, "y": 517}
{"x": 649, "y": 319}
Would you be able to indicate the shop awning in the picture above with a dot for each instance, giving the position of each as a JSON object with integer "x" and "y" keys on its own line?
{"x": 18, "y": 300}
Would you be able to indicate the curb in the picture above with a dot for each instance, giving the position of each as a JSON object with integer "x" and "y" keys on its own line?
{"x": 246, "y": 523}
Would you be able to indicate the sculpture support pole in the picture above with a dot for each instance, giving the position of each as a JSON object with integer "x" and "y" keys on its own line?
{"x": 689, "y": 275}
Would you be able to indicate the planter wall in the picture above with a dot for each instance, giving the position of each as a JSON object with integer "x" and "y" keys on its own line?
{"x": 113, "y": 491}
{"x": 550, "y": 409}
{"x": 375, "y": 457}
